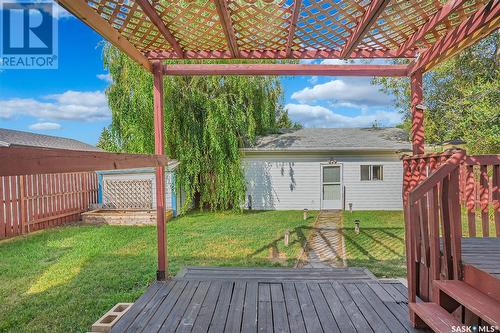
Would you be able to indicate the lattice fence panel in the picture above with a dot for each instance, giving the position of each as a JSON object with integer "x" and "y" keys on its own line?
{"x": 326, "y": 25}
{"x": 194, "y": 24}
{"x": 261, "y": 25}
{"x": 127, "y": 17}
{"x": 128, "y": 194}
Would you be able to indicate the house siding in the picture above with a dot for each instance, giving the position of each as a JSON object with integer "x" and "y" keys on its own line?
{"x": 285, "y": 181}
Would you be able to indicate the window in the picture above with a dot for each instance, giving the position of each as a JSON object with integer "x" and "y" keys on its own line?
{"x": 365, "y": 172}
{"x": 372, "y": 172}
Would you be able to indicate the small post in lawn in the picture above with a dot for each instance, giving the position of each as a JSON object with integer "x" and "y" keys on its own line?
{"x": 160, "y": 171}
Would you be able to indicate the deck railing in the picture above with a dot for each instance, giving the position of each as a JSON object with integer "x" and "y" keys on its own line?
{"x": 434, "y": 188}
{"x": 34, "y": 202}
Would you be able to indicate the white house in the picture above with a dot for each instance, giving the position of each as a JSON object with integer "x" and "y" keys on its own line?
{"x": 313, "y": 168}
{"x": 330, "y": 168}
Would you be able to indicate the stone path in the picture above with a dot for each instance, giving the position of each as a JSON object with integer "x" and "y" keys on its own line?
{"x": 325, "y": 248}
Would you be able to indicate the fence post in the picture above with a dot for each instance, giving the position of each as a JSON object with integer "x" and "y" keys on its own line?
{"x": 2, "y": 208}
{"x": 22, "y": 203}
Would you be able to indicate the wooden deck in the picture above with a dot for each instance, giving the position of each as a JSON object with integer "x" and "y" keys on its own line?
{"x": 201, "y": 303}
{"x": 483, "y": 253}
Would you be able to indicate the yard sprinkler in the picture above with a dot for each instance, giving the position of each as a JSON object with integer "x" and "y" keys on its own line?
{"x": 350, "y": 207}
{"x": 306, "y": 213}
{"x": 287, "y": 237}
{"x": 356, "y": 226}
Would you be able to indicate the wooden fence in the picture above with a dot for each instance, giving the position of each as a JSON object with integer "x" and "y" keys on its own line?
{"x": 35, "y": 202}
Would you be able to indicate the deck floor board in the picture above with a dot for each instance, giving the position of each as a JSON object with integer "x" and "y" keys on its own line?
{"x": 246, "y": 304}
{"x": 483, "y": 253}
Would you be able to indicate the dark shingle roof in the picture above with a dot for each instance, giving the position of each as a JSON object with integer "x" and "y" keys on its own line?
{"x": 334, "y": 139}
{"x": 9, "y": 138}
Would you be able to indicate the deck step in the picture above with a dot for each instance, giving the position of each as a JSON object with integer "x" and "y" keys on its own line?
{"x": 351, "y": 274}
{"x": 474, "y": 300}
{"x": 437, "y": 318}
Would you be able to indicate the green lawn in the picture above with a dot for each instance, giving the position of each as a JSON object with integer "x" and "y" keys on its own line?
{"x": 64, "y": 279}
{"x": 380, "y": 244}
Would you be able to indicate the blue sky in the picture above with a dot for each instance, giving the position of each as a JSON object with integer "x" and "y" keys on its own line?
{"x": 70, "y": 101}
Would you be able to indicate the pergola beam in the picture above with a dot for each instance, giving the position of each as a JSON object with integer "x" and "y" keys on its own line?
{"x": 482, "y": 23}
{"x": 31, "y": 160}
{"x": 151, "y": 12}
{"x": 376, "y": 7}
{"x": 227, "y": 26}
{"x": 87, "y": 15}
{"x": 433, "y": 22}
{"x": 293, "y": 26}
{"x": 286, "y": 69}
{"x": 280, "y": 54}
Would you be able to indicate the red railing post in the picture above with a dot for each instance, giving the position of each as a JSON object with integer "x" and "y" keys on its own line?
{"x": 455, "y": 222}
{"x": 496, "y": 197}
{"x": 470, "y": 200}
{"x": 410, "y": 259}
{"x": 435, "y": 252}
{"x": 484, "y": 199}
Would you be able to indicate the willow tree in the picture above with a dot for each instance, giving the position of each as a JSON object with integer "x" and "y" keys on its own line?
{"x": 207, "y": 120}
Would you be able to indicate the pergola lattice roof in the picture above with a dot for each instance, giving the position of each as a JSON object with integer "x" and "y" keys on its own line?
{"x": 151, "y": 30}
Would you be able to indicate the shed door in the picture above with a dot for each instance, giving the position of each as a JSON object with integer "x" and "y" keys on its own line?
{"x": 331, "y": 187}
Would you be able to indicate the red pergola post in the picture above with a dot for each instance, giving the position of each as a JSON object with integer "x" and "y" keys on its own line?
{"x": 162, "y": 271}
{"x": 417, "y": 113}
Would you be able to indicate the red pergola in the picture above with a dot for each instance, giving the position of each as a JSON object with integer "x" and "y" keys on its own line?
{"x": 426, "y": 32}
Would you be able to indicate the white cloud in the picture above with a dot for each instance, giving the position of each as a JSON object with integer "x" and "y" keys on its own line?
{"x": 316, "y": 116}
{"x": 105, "y": 77}
{"x": 70, "y": 105}
{"x": 313, "y": 80}
{"x": 46, "y": 126}
{"x": 357, "y": 91}
{"x": 334, "y": 62}
{"x": 62, "y": 13}
{"x": 53, "y": 8}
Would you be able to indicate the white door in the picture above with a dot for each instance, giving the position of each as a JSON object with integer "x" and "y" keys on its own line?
{"x": 331, "y": 187}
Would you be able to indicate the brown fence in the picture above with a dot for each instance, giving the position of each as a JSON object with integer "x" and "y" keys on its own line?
{"x": 34, "y": 202}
